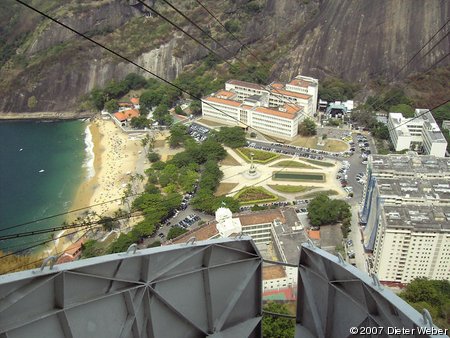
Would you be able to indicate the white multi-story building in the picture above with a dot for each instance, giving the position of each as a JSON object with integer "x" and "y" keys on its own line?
{"x": 406, "y": 215}
{"x": 412, "y": 241}
{"x": 420, "y": 133}
{"x": 275, "y": 109}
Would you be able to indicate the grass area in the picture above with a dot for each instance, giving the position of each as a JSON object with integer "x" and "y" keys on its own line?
{"x": 290, "y": 188}
{"x": 252, "y": 195}
{"x": 292, "y": 164}
{"x": 320, "y": 163}
{"x": 225, "y": 188}
{"x": 229, "y": 160}
{"x": 296, "y": 176}
{"x": 260, "y": 156}
{"x": 317, "y": 193}
{"x": 329, "y": 144}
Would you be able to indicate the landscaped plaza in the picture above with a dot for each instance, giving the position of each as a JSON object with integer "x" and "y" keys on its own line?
{"x": 279, "y": 177}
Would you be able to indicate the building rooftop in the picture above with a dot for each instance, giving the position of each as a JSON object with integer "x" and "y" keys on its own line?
{"x": 417, "y": 217}
{"x": 410, "y": 163}
{"x": 261, "y": 217}
{"x": 424, "y": 189}
{"x": 299, "y": 83}
{"x": 126, "y": 114}
{"x": 285, "y": 111}
{"x": 292, "y": 94}
{"x": 246, "y": 84}
{"x": 273, "y": 272}
{"x": 223, "y": 101}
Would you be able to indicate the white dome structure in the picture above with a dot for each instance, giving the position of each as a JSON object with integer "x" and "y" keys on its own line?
{"x": 226, "y": 225}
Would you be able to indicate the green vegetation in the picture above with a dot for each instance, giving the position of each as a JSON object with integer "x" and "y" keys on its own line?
{"x": 259, "y": 156}
{"x": 139, "y": 122}
{"x": 108, "y": 223}
{"x": 307, "y": 127}
{"x": 433, "y": 295}
{"x": 403, "y": 108}
{"x": 114, "y": 91}
{"x": 394, "y": 97}
{"x": 233, "y": 137}
{"x": 253, "y": 195}
{"x": 153, "y": 157}
{"x": 291, "y": 188}
{"x": 296, "y": 176}
{"x": 292, "y": 164}
{"x": 323, "y": 210}
{"x": 232, "y": 26}
{"x": 277, "y": 327}
{"x": 174, "y": 232}
{"x": 111, "y": 106}
{"x": 178, "y": 134}
{"x": 334, "y": 89}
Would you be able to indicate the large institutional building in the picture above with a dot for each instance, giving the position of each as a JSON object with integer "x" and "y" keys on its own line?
{"x": 276, "y": 109}
{"x": 418, "y": 133}
{"x": 406, "y": 214}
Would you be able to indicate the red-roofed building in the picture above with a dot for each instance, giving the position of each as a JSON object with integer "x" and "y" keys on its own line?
{"x": 72, "y": 253}
{"x": 276, "y": 109}
{"x": 124, "y": 116}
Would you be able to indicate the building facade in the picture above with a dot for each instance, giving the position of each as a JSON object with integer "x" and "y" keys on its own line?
{"x": 276, "y": 109}
{"x": 406, "y": 217}
{"x": 420, "y": 133}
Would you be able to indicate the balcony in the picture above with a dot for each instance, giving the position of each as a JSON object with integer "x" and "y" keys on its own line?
{"x": 206, "y": 289}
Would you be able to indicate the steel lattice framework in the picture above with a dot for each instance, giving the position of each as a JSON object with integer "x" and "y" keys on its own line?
{"x": 212, "y": 288}
{"x": 334, "y": 296}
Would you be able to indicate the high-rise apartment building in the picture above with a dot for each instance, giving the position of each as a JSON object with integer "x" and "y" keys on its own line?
{"x": 406, "y": 214}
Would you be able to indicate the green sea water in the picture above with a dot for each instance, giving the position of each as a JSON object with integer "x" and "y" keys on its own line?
{"x": 41, "y": 167}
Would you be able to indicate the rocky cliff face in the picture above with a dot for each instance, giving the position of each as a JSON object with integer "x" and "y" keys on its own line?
{"x": 361, "y": 40}
{"x": 354, "y": 39}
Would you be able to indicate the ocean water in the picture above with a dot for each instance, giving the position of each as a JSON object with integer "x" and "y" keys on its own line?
{"x": 41, "y": 166}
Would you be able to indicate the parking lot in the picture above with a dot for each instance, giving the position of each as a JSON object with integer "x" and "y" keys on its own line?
{"x": 198, "y": 132}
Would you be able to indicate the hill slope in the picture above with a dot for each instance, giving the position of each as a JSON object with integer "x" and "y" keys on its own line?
{"x": 354, "y": 39}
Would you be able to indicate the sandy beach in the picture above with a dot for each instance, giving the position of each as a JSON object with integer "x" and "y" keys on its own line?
{"x": 115, "y": 161}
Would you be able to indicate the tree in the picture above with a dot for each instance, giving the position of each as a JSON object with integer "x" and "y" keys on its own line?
{"x": 307, "y": 127}
{"x": 111, "y": 106}
{"x": 91, "y": 248}
{"x": 179, "y": 111}
{"x": 178, "y": 134}
{"x": 232, "y": 26}
{"x": 433, "y": 295}
{"x": 108, "y": 223}
{"x": 134, "y": 81}
{"x": 442, "y": 113}
{"x": 160, "y": 113}
{"x": 195, "y": 107}
{"x": 153, "y": 157}
{"x": 323, "y": 210}
{"x": 233, "y": 137}
{"x": 380, "y": 131}
{"x": 140, "y": 122}
{"x": 176, "y": 231}
{"x": 277, "y": 327}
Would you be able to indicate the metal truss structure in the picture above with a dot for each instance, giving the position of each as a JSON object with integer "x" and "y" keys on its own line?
{"x": 334, "y": 297}
{"x": 207, "y": 289}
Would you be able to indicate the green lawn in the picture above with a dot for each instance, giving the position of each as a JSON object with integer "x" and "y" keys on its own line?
{"x": 290, "y": 188}
{"x": 295, "y": 176}
{"x": 253, "y": 195}
{"x": 260, "y": 156}
{"x": 292, "y": 164}
{"x": 320, "y": 163}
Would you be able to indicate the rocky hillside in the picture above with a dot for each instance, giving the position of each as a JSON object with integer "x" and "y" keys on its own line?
{"x": 44, "y": 67}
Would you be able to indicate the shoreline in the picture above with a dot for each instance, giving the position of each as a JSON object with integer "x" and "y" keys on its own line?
{"x": 44, "y": 116}
{"x": 116, "y": 156}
